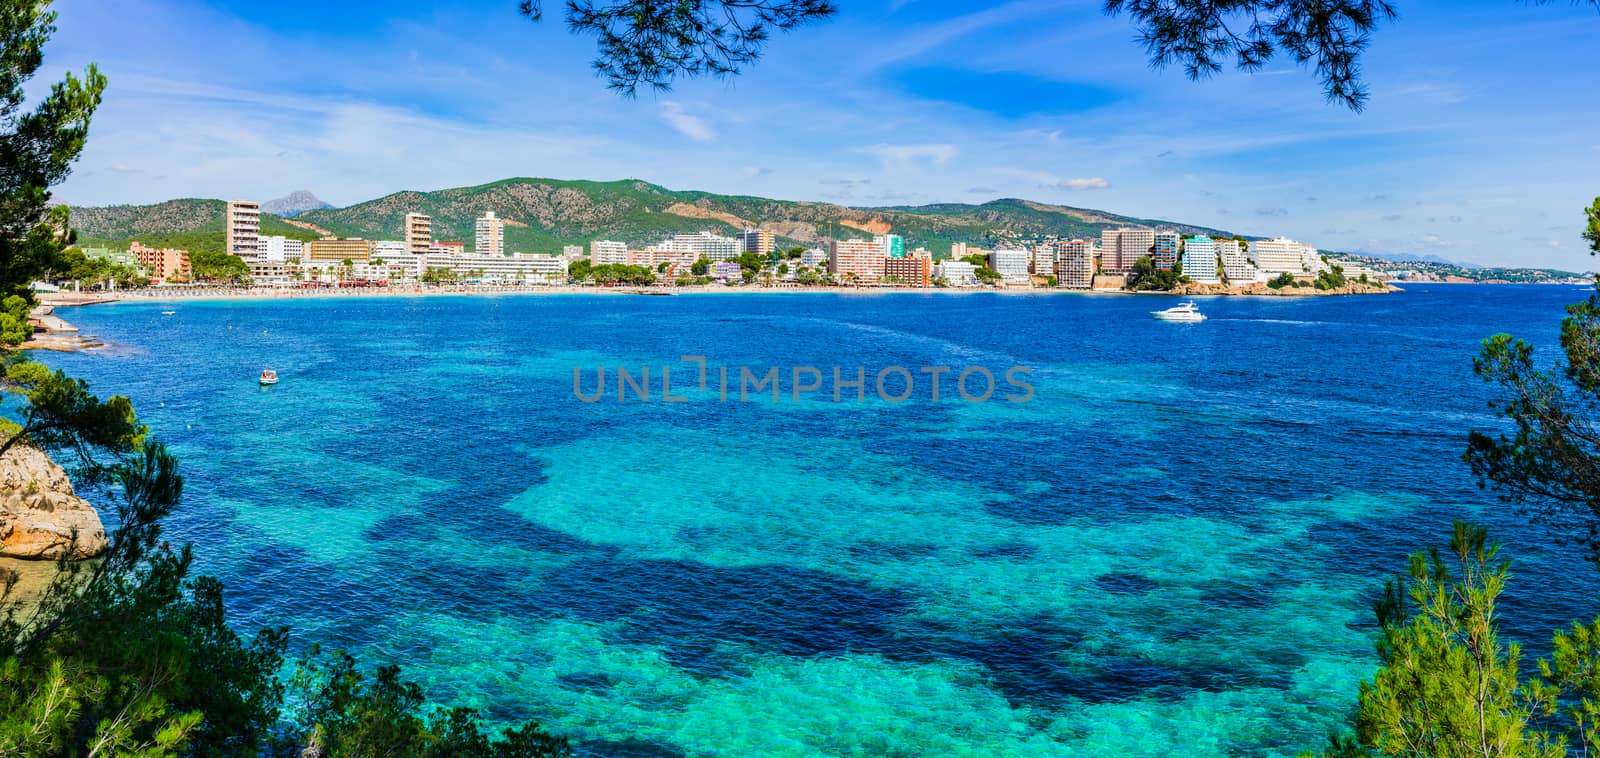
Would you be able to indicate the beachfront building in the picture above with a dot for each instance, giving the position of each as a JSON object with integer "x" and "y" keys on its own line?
{"x": 855, "y": 261}
{"x": 491, "y": 235}
{"x": 1165, "y": 250}
{"x": 1280, "y": 255}
{"x": 1198, "y": 260}
{"x": 1121, "y": 248}
{"x": 392, "y": 249}
{"x": 1044, "y": 259}
{"x": 890, "y": 245}
{"x": 448, "y": 248}
{"x": 912, "y": 272}
{"x": 337, "y": 250}
{"x": 270, "y": 274}
{"x": 957, "y": 273}
{"x": 814, "y": 256}
{"x": 725, "y": 271}
{"x": 419, "y": 233}
{"x": 572, "y": 252}
{"x": 758, "y": 241}
{"x": 1236, "y": 266}
{"x": 1010, "y": 264}
{"x": 653, "y": 257}
{"x": 1075, "y": 264}
{"x": 280, "y": 249}
{"x": 163, "y": 264}
{"x": 242, "y": 227}
{"x": 703, "y": 245}
{"x": 602, "y": 252}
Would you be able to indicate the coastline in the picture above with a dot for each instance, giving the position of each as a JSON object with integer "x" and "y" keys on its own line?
{"x": 68, "y": 299}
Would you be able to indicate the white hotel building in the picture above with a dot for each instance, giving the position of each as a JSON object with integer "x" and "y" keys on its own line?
{"x": 602, "y": 252}
{"x": 1011, "y": 265}
{"x": 1199, "y": 260}
{"x": 1281, "y": 255}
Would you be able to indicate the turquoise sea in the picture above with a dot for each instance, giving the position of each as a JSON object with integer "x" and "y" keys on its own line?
{"x": 1171, "y": 549}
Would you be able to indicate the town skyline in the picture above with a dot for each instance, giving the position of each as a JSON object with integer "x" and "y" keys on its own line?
{"x": 943, "y": 106}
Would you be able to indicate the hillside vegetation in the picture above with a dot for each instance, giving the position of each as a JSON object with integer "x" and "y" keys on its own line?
{"x": 192, "y": 224}
{"x": 544, "y": 214}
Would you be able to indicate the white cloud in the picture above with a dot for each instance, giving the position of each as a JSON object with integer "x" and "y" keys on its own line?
{"x": 690, "y": 126}
{"x": 1082, "y": 184}
{"x": 904, "y": 154}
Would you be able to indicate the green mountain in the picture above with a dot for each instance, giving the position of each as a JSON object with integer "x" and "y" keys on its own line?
{"x": 544, "y": 214}
{"x": 192, "y": 224}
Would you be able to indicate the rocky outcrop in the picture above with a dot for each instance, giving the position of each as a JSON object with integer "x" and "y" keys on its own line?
{"x": 40, "y": 515}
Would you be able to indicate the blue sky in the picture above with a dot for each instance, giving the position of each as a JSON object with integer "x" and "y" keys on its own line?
{"x": 1480, "y": 143}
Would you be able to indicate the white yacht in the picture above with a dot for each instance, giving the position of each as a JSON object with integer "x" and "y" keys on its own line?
{"x": 1181, "y": 312}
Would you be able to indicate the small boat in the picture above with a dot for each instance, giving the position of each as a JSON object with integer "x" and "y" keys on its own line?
{"x": 1183, "y": 312}
{"x": 268, "y": 377}
{"x": 168, "y": 313}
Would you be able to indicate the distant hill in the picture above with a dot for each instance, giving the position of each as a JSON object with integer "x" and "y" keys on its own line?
{"x": 190, "y": 223}
{"x": 295, "y": 202}
{"x": 544, "y": 214}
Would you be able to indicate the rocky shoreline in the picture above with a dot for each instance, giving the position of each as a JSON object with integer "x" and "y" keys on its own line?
{"x": 41, "y": 517}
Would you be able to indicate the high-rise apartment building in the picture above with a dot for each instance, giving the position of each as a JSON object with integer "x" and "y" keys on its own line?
{"x": 1165, "y": 252}
{"x": 1199, "y": 259}
{"x": 758, "y": 241}
{"x": 1044, "y": 259}
{"x": 491, "y": 235}
{"x": 419, "y": 233}
{"x": 1280, "y": 255}
{"x": 1121, "y": 248}
{"x": 242, "y": 224}
{"x": 910, "y": 271}
{"x": 1075, "y": 264}
{"x": 958, "y": 250}
{"x": 602, "y": 252}
{"x": 855, "y": 261}
{"x": 892, "y": 245}
{"x": 704, "y": 245}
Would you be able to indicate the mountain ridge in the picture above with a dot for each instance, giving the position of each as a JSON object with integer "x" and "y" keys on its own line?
{"x": 543, "y": 214}
{"x": 296, "y": 202}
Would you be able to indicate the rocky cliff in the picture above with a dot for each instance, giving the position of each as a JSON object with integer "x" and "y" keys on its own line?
{"x": 40, "y": 515}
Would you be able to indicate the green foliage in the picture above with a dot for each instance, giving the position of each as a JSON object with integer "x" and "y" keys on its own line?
{"x": 1282, "y": 280}
{"x": 978, "y": 261}
{"x": 14, "y": 326}
{"x": 55, "y": 412}
{"x": 1146, "y": 277}
{"x": 622, "y": 273}
{"x": 1550, "y": 463}
{"x": 579, "y": 270}
{"x": 1449, "y": 685}
{"x": 74, "y": 265}
{"x": 219, "y": 267}
{"x": 650, "y": 44}
{"x": 351, "y": 716}
{"x": 987, "y": 275}
{"x": 1331, "y": 279}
